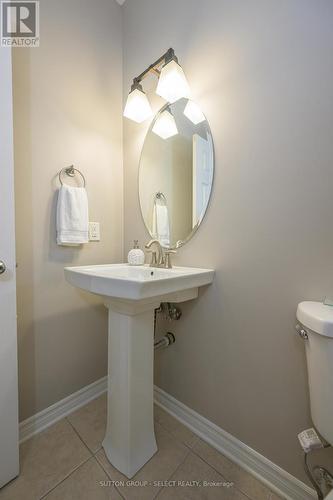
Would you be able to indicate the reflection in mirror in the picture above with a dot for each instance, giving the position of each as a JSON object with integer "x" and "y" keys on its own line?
{"x": 176, "y": 173}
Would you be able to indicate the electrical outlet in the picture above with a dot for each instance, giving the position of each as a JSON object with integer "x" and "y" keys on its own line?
{"x": 94, "y": 231}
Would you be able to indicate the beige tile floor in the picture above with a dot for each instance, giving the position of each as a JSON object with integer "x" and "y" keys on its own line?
{"x": 67, "y": 462}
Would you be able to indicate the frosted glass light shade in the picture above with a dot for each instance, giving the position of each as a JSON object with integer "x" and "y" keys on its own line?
{"x": 194, "y": 113}
{"x": 165, "y": 125}
{"x": 137, "y": 106}
{"x": 172, "y": 83}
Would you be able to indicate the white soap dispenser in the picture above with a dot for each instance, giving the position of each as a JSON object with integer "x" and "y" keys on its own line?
{"x": 136, "y": 256}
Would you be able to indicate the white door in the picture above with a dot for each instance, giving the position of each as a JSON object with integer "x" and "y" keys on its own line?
{"x": 9, "y": 462}
{"x": 202, "y": 176}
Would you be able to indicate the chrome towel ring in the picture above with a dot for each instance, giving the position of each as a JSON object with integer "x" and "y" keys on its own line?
{"x": 70, "y": 171}
{"x": 160, "y": 196}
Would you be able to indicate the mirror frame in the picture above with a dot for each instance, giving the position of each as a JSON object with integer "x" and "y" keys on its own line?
{"x": 196, "y": 227}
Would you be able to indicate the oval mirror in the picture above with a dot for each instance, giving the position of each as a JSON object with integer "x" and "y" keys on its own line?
{"x": 176, "y": 173}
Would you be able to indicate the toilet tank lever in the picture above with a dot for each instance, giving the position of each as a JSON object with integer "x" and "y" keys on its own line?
{"x": 301, "y": 331}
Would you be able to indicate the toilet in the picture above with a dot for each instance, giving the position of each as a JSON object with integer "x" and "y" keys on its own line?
{"x": 317, "y": 320}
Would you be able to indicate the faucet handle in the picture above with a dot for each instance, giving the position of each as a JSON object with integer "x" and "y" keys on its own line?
{"x": 167, "y": 255}
{"x": 153, "y": 262}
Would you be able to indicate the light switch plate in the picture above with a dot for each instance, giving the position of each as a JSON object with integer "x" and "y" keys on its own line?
{"x": 94, "y": 231}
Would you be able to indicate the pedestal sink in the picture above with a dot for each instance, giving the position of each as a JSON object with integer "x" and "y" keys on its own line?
{"x": 131, "y": 293}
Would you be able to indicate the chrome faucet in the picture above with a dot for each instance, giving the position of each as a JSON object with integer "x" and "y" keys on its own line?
{"x": 158, "y": 257}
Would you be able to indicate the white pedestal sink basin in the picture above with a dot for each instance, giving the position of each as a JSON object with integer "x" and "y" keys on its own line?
{"x": 131, "y": 293}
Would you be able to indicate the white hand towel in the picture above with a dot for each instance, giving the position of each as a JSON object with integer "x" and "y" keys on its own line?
{"x": 161, "y": 227}
{"x": 72, "y": 216}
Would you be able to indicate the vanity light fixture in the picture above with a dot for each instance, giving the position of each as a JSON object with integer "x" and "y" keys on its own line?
{"x": 194, "y": 113}
{"x": 165, "y": 125}
{"x": 172, "y": 85}
{"x": 137, "y": 105}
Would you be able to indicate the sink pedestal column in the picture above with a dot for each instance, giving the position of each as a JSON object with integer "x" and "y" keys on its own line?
{"x": 130, "y": 440}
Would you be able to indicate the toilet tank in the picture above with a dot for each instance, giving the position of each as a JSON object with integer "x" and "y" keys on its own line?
{"x": 317, "y": 319}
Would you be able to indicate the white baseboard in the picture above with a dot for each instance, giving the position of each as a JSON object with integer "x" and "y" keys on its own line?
{"x": 61, "y": 409}
{"x": 275, "y": 478}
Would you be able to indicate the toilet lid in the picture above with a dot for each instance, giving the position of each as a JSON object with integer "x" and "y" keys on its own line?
{"x": 316, "y": 316}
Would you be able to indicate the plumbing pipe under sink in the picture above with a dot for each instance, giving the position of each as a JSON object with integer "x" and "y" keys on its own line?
{"x": 165, "y": 341}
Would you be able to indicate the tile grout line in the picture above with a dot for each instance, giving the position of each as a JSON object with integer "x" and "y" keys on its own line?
{"x": 107, "y": 475}
{"x": 160, "y": 490}
{"x": 179, "y": 441}
{"x": 93, "y": 454}
{"x": 176, "y": 437}
{"x": 218, "y": 472}
{"x": 102, "y": 467}
{"x": 80, "y": 438}
{"x": 76, "y": 468}
{"x": 191, "y": 448}
{"x": 225, "y": 478}
{"x": 118, "y": 491}
{"x": 64, "y": 479}
{"x": 188, "y": 453}
{"x": 174, "y": 472}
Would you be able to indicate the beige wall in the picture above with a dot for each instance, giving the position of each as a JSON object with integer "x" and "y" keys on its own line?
{"x": 262, "y": 72}
{"x": 68, "y": 105}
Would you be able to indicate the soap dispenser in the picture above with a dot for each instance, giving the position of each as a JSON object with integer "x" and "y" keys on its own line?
{"x": 136, "y": 256}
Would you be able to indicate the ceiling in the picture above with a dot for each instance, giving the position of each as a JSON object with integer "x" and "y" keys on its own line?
{"x": 120, "y": 2}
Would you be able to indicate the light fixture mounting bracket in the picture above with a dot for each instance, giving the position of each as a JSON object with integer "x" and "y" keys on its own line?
{"x": 155, "y": 67}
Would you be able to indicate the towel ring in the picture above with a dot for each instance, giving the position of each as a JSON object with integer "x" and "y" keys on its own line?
{"x": 70, "y": 171}
{"x": 160, "y": 196}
